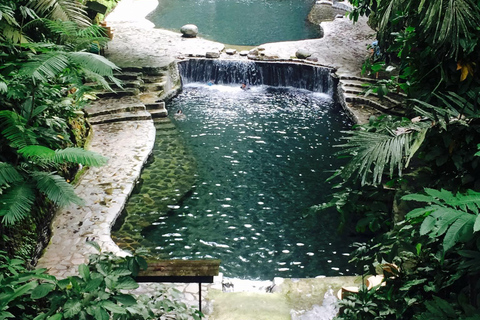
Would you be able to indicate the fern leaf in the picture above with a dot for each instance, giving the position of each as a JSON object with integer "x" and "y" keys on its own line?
{"x": 8, "y": 174}
{"x": 93, "y": 62}
{"x": 36, "y": 152}
{"x": 15, "y": 131}
{"x": 45, "y": 67}
{"x": 16, "y": 203}
{"x": 460, "y": 230}
{"x": 419, "y": 212}
{"x": 61, "y": 10}
{"x": 78, "y": 155}
{"x": 56, "y": 189}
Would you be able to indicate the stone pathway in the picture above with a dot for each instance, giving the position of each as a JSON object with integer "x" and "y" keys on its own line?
{"x": 127, "y": 145}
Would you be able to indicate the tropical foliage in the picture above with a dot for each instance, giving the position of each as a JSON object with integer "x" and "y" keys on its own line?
{"x": 425, "y": 165}
{"x": 45, "y": 64}
{"x": 98, "y": 292}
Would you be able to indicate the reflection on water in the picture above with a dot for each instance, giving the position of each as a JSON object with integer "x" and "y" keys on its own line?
{"x": 239, "y": 22}
{"x": 263, "y": 156}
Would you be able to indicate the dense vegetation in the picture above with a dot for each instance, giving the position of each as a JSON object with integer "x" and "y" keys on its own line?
{"x": 416, "y": 179}
{"x": 44, "y": 65}
{"x": 46, "y": 60}
{"x": 98, "y": 292}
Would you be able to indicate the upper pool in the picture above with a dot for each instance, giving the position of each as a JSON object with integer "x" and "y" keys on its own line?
{"x": 239, "y": 22}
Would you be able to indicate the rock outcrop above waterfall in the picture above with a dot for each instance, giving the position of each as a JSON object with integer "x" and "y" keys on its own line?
{"x": 302, "y": 54}
{"x": 189, "y": 31}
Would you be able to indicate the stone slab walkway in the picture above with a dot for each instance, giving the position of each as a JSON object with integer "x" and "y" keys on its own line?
{"x": 105, "y": 190}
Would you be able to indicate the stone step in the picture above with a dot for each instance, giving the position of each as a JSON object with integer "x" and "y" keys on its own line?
{"x": 155, "y": 86}
{"x": 358, "y": 84}
{"x": 153, "y": 79}
{"x": 391, "y": 102}
{"x": 113, "y": 105}
{"x": 373, "y": 102}
{"x": 128, "y": 75}
{"x": 118, "y": 94}
{"x": 166, "y": 126}
{"x": 160, "y": 113}
{"x": 356, "y": 78}
{"x": 118, "y": 109}
{"x": 122, "y": 116}
{"x": 155, "y": 105}
{"x": 162, "y": 120}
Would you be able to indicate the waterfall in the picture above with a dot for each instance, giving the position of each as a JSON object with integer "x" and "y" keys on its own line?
{"x": 277, "y": 74}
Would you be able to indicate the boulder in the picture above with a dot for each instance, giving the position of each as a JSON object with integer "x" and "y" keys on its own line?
{"x": 189, "y": 31}
{"x": 302, "y": 54}
{"x": 212, "y": 54}
{"x": 243, "y": 53}
{"x": 230, "y": 51}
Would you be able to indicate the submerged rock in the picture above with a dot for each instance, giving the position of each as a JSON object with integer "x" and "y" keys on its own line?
{"x": 189, "y": 31}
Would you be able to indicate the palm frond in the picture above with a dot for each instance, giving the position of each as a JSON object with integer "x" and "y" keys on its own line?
{"x": 78, "y": 155}
{"x": 45, "y": 67}
{"x": 8, "y": 174}
{"x": 95, "y": 77}
{"x": 93, "y": 62}
{"x": 16, "y": 203}
{"x": 375, "y": 153}
{"x": 72, "y": 155}
{"x": 449, "y": 21}
{"x": 56, "y": 188}
{"x": 456, "y": 216}
{"x": 66, "y": 10}
{"x": 37, "y": 152}
{"x": 15, "y": 131}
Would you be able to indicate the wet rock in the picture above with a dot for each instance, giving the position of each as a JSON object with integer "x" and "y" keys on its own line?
{"x": 230, "y": 51}
{"x": 243, "y": 53}
{"x": 212, "y": 54}
{"x": 189, "y": 31}
{"x": 302, "y": 54}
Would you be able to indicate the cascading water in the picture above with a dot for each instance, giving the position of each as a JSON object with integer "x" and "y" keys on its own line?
{"x": 301, "y": 76}
{"x": 262, "y": 158}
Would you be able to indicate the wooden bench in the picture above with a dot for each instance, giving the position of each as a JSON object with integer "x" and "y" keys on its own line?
{"x": 181, "y": 271}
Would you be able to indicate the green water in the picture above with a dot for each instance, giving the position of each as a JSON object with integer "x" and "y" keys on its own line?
{"x": 239, "y": 22}
{"x": 262, "y": 158}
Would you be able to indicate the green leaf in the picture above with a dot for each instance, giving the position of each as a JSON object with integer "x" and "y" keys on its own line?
{"x": 71, "y": 308}
{"x": 93, "y": 62}
{"x": 16, "y": 203}
{"x": 84, "y": 271}
{"x": 461, "y": 229}
{"x": 126, "y": 283}
{"x": 8, "y": 174}
{"x": 112, "y": 307}
{"x": 14, "y": 129}
{"x": 42, "y": 290}
{"x": 93, "y": 284}
{"x": 101, "y": 314}
{"x": 36, "y": 152}
{"x": 78, "y": 155}
{"x": 6, "y": 315}
{"x": 126, "y": 299}
{"x": 56, "y": 188}
{"x": 18, "y": 292}
{"x": 58, "y": 316}
{"x": 476, "y": 226}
